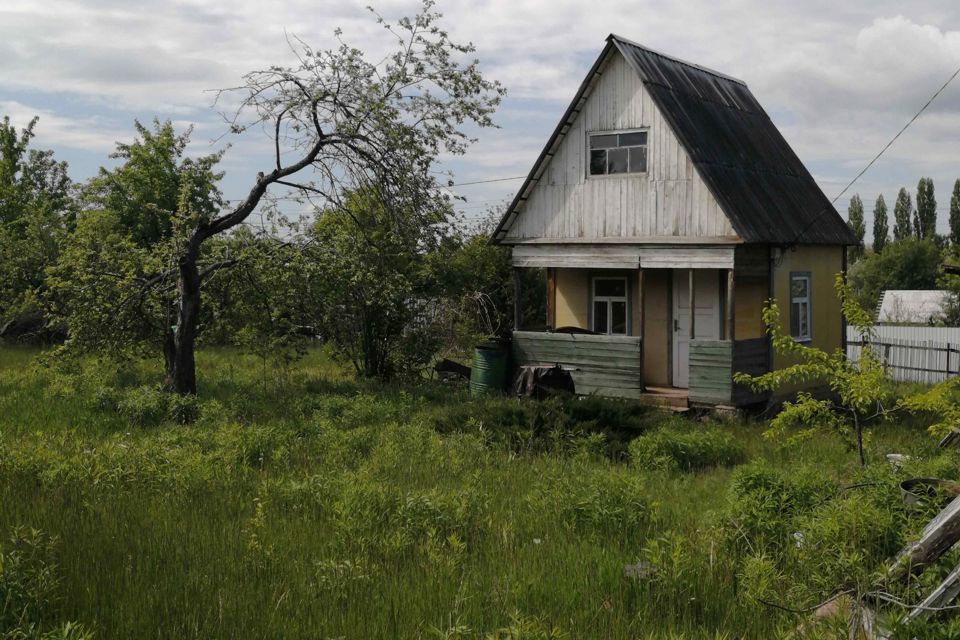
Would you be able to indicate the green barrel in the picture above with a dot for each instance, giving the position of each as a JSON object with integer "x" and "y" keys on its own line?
{"x": 489, "y": 373}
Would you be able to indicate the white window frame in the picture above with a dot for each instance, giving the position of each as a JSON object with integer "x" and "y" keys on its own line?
{"x": 604, "y": 176}
{"x": 625, "y": 299}
{"x": 802, "y": 318}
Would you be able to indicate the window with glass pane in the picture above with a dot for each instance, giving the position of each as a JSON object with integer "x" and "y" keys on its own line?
{"x": 613, "y": 153}
{"x": 610, "y": 305}
{"x": 800, "y": 319}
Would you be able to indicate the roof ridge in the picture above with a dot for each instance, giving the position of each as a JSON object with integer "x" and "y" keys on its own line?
{"x": 699, "y": 67}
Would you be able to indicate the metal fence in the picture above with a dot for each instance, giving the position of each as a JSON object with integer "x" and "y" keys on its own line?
{"x": 913, "y": 354}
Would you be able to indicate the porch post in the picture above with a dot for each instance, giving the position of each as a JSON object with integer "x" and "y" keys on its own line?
{"x": 641, "y": 296}
{"x": 516, "y": 299}
{"x": 731, "y": 311}
{"x": 693, "y": 306}
{"x": 551, "y": 298}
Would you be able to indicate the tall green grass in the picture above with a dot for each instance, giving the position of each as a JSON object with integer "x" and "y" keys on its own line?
{"x": 301, "y": 503}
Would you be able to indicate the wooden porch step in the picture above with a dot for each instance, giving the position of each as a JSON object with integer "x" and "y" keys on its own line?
{"x": 666, "y": 397}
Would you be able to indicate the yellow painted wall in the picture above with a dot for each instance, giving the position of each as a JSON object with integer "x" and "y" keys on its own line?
{"x": 656, "y": 334}
{"x": 750, "y": 294}
{"x": 573, "y": 297}
{"x": 823, "y": 263}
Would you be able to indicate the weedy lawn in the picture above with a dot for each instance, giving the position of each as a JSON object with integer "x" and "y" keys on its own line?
{"x": 300, "y": 503}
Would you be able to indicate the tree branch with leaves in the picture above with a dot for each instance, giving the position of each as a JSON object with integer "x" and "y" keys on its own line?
{"x": 859, "y": 393}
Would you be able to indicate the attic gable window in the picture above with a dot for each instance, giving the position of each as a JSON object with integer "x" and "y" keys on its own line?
{"x": 612, "y": 153}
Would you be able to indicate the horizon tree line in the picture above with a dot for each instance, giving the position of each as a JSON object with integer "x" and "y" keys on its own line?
{"x": 909, "y": 221}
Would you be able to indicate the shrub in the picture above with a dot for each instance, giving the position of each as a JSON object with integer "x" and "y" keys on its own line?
{"x": 28, "y": 581}
{"x": 28, "y": 589}
{"x": 381, "y": 518}
{"x": 611, "y": 504}
{"x": 150, "y": 406}
{"x": 764, "y": 501}
{"x": 687, "y": 451}
{"x": 143, "y": 406}
{"x": 557, "y": 424}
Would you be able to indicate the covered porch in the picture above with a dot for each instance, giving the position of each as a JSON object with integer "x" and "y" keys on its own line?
{"x": 666, "y": 324}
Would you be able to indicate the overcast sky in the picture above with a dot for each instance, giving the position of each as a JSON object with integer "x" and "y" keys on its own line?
{"x": 838, "y": 78}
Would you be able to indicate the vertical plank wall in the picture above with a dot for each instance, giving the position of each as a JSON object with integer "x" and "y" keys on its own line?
{"x": 669, "y": 200}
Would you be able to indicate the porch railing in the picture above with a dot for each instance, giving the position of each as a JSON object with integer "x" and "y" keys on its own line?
{"x": 604, "y": 365}
{"x": 713, "y": 363}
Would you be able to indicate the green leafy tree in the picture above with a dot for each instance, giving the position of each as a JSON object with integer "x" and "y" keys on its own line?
{"x": 860, "y": 393}
{"x": 925, "y": 217}
{"x": 902, "y": 213}
{"x": 856, "y": 224}
{"x": 910, "y": 263}
{"x": 113, "y": 285}
{"x": 373, "y": 292}
{"x": 36, "y": 214}
{"x": 880, "y": 225}
{"x": 338, "y": 123}
{"x": 955, "y": 215}
{"x": 475, "y": 289}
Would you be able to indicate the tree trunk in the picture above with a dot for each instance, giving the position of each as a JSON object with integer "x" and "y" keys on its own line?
{"x": 859, "y": 434}
{"x": 169, "y": 353}
{"x": 182, "y": 370}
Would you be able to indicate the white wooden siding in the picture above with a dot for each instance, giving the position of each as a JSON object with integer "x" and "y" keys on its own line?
{"x": 620, "y": 256}
{"x": 669, "y": 200}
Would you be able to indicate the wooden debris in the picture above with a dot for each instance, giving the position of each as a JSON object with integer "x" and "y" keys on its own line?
{"x": 952, "y": 439}
{"x": 938, "y": 536}
{"x": 860, "y": 620}
{"x": 940, "y": 597}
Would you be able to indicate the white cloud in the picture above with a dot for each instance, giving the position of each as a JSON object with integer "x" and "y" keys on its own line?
{"x": 56, "y": 131}
{"x": 839, "y": 78}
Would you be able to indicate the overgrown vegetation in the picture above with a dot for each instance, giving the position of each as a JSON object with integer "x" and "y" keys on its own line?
{"x": 306, "y": 503}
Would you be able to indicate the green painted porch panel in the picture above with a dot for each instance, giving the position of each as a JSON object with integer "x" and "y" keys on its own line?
{"x": 711, "y": 373}
{"x": 602, "y": 365}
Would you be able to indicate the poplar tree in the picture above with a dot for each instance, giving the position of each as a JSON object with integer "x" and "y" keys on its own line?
{"x": 902, "y": 212}
{"x": 880, "y": 225}
{"x": 925, "y": 217}
{"x": 855, "y": 222}
{"x": 955, "y": 214}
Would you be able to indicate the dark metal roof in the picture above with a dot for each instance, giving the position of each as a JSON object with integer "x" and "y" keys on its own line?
{"x": 758, "y": 180}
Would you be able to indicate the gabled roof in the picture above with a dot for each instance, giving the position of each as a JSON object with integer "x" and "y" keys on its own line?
{"x": 759, "y": 182}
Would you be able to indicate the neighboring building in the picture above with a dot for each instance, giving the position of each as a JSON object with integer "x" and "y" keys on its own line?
{"x": 912, "y": 307}
{"x": 667, "y": 209}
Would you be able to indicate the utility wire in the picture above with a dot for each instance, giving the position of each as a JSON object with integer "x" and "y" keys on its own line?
{"x": 456, "y": 184}
{"x": 464, "y": 184}
{"x": 882, "y": 151}
{"x": 899, "y": 133}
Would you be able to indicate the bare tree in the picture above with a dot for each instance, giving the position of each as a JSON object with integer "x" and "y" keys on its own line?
{"x": 340, "y": 122}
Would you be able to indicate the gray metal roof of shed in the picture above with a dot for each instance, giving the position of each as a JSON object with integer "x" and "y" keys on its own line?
{"x": 758, "y": 180}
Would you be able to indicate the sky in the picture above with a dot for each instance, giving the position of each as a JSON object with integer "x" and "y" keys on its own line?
{"x": 838, "y": 78}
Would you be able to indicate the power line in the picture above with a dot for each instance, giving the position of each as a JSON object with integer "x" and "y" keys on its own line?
{"x": 464, "y": 184}
{"x": 877, "y": 157}
{"x": 899, "y": 133}
{"x": 456, "y": 184}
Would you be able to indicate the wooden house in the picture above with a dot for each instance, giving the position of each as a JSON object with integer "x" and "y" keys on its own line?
{"x": 666, "y": 209}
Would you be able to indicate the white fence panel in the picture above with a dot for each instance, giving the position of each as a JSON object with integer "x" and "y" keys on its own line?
{"x": 913, "y": 354}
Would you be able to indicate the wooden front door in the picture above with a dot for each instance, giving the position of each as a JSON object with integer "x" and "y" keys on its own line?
{"x": 706, "y": 322}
